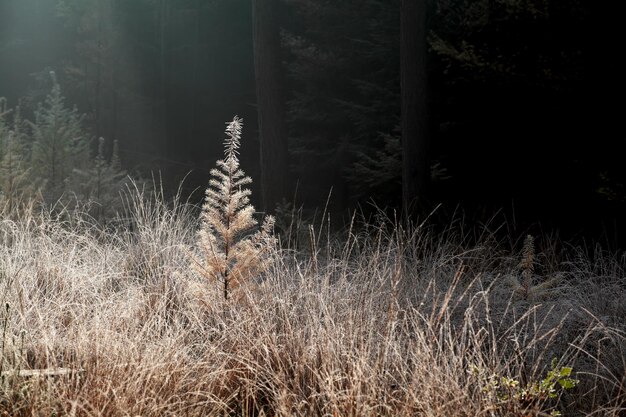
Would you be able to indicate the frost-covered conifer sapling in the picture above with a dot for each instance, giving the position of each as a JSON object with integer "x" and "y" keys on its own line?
{"x": 230, "y": 251}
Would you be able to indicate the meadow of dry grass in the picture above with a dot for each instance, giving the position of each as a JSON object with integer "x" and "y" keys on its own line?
{"x": 381, "y": 321}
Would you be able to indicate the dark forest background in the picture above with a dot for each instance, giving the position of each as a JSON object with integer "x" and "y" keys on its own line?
{"x": 521, "y": 118}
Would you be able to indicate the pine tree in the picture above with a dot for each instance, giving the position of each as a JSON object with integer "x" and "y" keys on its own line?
{"x": 230, "y": 253}
{"x": 5, "y": 128}
{"x": 60, "y": 143}
{"x": 101, "y": 183}
{"x": 15, "y": 183}
{"x": 526, "y": 285}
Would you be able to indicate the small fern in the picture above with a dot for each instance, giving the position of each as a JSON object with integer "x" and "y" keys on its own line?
{"x": 230, "y": 251}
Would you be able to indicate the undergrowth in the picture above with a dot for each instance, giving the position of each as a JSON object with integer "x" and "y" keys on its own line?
{"x": 387, "y": 320}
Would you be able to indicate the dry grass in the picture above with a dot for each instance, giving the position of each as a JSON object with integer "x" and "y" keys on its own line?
{"x": 388, "y": 323}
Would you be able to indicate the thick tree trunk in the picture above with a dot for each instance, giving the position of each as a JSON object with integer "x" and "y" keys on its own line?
{"x": 415, "y": 130}
{"x": 270, "y": 103}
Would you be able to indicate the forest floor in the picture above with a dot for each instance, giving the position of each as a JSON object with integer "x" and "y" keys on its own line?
{"x": 381, "y": 321}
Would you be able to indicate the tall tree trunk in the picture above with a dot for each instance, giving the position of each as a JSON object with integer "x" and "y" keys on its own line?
{"x": 99, "y": 64}
{"x": 115, "y": 50}
{"x": 164, "y": 92}
{"x": 415, "y": 130}
{"x": 195, "y": 95}
{"x": 270, "y": 102}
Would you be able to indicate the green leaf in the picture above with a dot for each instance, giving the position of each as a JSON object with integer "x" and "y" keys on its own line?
{"x": 567, "y": 383}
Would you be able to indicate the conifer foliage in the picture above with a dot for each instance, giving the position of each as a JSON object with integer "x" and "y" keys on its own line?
{"x": 48, "y": 160}
{"x": 60, "y": 143}
{"x": 102, "y": 182}
{"x": 230, "y": 252}
{"x": 15, "y": 181}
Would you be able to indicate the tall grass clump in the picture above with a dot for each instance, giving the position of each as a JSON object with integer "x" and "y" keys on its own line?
{"x": 389, "y": 320}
